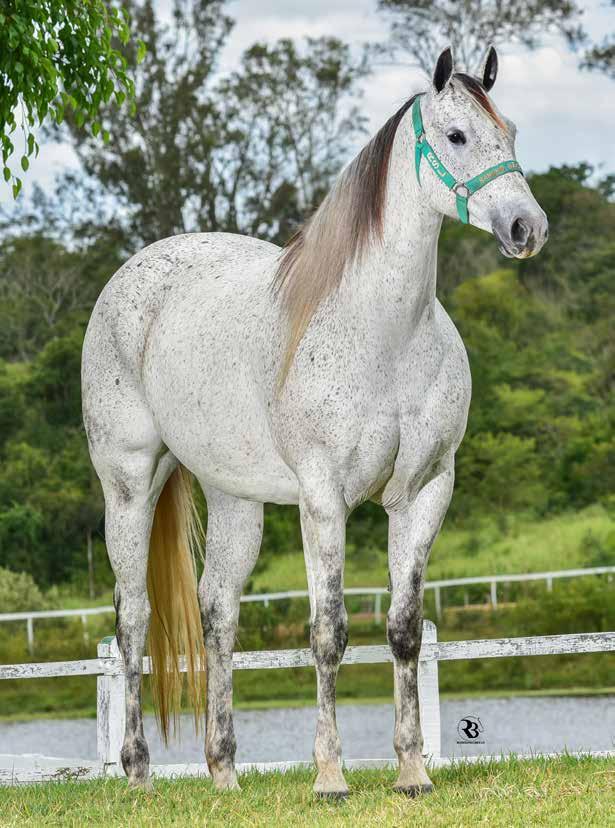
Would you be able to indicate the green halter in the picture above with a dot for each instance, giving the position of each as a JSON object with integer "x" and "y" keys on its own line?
{"x": 462, "y": 190}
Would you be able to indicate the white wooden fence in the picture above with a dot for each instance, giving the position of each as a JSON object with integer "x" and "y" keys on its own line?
{"x": 377, "y": 592}
{"x": 109, "y": 668}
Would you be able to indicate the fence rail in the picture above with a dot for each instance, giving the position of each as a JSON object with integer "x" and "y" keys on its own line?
{"x": 109, "y": 668}
{"x": 376, "y": 592}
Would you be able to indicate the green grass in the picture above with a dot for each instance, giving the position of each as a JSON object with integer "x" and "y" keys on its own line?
{"x": 523, "y": 545}
{"x": 540, "y": 792}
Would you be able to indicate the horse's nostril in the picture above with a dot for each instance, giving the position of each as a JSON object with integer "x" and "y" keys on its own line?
{"x": 519, "y": 232}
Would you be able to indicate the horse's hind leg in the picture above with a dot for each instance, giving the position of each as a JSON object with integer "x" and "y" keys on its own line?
{"x": 234, "y": 533}
{"x": 132, "y": 479}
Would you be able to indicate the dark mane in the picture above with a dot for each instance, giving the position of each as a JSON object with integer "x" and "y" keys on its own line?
{"x": 314, "y": 260}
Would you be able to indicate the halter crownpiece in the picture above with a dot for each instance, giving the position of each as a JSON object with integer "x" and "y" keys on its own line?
{"x": 462, "y": 189}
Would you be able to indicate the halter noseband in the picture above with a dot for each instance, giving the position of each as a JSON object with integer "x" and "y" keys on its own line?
{"x": 463, "y": 190}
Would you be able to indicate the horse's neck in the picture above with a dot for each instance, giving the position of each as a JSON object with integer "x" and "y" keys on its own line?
{"x": 394, "y": 285}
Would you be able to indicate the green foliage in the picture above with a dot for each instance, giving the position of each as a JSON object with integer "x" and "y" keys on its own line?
{"x": 57, "y": 55}
{"x": 19, "y": 592}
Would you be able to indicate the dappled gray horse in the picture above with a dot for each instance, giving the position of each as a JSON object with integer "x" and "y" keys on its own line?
{"x": 323, "y": 375}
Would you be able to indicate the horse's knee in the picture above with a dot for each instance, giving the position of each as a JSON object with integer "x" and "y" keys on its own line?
{"x": 404, "y": 631}
{"x": 329, "y": 634}
{"x": 219, "y": 622}
{"x": 132, "y": 613}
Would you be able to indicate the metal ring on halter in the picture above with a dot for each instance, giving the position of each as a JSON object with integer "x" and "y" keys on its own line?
{"x": 460, "y": 186}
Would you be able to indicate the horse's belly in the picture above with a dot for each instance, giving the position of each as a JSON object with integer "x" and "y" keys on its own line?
{"x": 224, "y": 440}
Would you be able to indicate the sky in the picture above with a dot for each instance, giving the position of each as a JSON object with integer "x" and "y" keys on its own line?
{"x": 563, "y": 115}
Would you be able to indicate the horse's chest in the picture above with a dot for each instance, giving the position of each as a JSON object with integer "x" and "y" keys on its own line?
{"x": 370, "y": 463}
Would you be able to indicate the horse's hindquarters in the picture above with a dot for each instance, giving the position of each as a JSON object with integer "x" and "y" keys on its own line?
{"x": 206, "y": 377}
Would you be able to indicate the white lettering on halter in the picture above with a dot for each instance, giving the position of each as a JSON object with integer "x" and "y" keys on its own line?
{"x": 435, "y": 164}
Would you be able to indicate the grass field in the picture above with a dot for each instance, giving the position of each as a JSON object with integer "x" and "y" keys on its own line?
{"x": 523, "y": 545}
{"x": 541, "y": 792}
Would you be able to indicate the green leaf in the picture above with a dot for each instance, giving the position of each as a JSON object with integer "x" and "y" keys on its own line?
{"x": 31, "y": 144}
{"x": 24, "y": 163}
{"x": 141, "y": 51}
{"x": 16, "y": 188}
{"x": 7, "y": 173}
{"x": 95, "y": 128}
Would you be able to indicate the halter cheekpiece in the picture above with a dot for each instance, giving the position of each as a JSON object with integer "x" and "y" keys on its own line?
{"x": 462, "y": 189}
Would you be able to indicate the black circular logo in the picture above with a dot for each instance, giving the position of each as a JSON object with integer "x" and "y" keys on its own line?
{"x": 470, "y": 729}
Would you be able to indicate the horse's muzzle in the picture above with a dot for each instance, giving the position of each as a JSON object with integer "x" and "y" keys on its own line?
{"x": 522, "y": 236}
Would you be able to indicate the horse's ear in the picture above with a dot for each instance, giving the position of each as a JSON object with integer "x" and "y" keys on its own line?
{"x": 444, "y": 70}
{"x": 489, "y": 68}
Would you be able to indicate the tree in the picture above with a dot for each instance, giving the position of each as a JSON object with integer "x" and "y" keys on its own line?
{"x": 421, "y": 28}
{"x": 150, "y": 166}
{"x": 289, "y": 126}
{"x": 57, "y": 55}
{"x": 601, "y": 57}
{"x": 250, "y": 152}
{"x": 45, "y": 287}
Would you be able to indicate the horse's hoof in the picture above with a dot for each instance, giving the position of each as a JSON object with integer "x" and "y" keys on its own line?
{"x": 330, "y": 784}
{"x": 331, "y": 796}
{"x": 413, "y": 790}
{"x": 141, "y": 785}
{"x": 225, "y": 780}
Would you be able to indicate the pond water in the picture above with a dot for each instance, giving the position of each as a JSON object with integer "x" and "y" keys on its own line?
{"x": 520, "y": 725}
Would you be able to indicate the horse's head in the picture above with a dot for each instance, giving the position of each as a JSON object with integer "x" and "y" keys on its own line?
{"x": 465, "y": 157}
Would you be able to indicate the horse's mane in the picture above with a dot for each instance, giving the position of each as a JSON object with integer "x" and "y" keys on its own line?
{"x": 314, "y": 260}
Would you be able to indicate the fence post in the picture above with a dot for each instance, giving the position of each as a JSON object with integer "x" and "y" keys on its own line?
{"x": 549, "y": 584}
{"x": 30, "y": 626}
{"x": 378, "y": 608}
{"x": 110, "y": 710}
{"x": 438, "y": 602}
{"x": 494, "y": 594}
{"x": 429, "y": 696}
{"x": 86, "y": 635}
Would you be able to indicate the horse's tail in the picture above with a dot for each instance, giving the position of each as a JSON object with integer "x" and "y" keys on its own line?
{"x": 175, "y": 627}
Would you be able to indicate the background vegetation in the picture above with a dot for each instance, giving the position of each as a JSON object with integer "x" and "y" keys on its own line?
{"x": 253, "y": 151}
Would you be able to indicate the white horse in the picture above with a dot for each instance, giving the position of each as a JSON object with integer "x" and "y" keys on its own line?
{"x": 323, "y": 376}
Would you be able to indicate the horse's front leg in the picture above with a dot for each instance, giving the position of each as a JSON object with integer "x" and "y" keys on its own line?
{"x": 323, "y": 526}
{"x": 412, "y": 531}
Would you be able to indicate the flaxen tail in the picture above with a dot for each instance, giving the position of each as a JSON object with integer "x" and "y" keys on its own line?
{"x": 175, "y": 627}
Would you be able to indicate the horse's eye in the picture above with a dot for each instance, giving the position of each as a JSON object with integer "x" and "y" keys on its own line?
{"x": 457, "y": 137}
